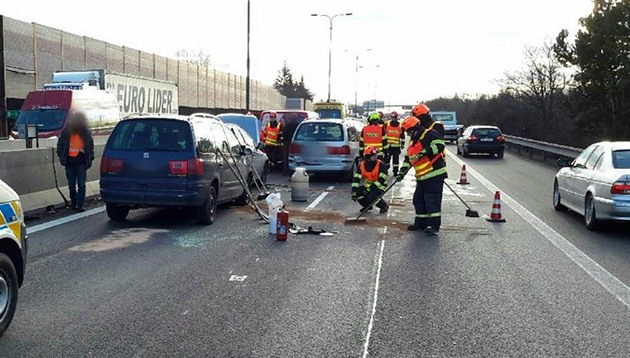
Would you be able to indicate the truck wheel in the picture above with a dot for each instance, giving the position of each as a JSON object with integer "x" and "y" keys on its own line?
{"x": 8, "y": 292}
{"x": 207, "y": 213}
{"x": 116, "y": 213}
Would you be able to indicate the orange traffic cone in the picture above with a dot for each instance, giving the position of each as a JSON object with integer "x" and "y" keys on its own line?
{"x": 463, "y": 180}
{"x": 495, "y": 216}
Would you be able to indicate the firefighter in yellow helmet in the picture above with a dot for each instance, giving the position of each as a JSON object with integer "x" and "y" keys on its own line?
{"x": 373, "y": 135}
{"x": 425, "y": 155}
{"x": 373, "y": 172}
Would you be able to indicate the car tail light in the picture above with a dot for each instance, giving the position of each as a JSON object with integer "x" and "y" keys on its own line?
{"x": 111, "y": 166}
{"x": 178, "y": 167}
{"x": 343, "y": 150}
{"x": 472, "y": 138}
{"x": 195, "y": 167}
{"x": 295, "y": 148}
{"x": 501, "y": 138}
{"x": 620, "y": 188}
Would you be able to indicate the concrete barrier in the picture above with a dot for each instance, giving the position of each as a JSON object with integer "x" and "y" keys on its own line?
{"x": 32, "y": 172}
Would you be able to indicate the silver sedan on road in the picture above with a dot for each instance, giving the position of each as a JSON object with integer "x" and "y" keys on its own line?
{"x": 596, "y": 184}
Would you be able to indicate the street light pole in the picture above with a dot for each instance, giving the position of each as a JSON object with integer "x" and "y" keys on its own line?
{"x": 330, "y": 19}
{"x": 247, "y": 88}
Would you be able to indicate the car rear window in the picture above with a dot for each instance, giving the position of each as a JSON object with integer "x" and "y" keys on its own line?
{"x": 155, "y": 135}
{"x": 319, "y": 132}
{"x": 487, "y": 132}
{"x": 621, "y": 159}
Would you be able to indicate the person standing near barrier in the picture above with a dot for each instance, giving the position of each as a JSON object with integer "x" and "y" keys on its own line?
{"x": 396, "y": 140}
{"x": 425, "y": 155}
{"x": 75, "y": 149}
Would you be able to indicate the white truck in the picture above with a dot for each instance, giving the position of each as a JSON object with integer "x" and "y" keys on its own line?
{"x": 135, "y": 95}
{"x": 449, "y": 120}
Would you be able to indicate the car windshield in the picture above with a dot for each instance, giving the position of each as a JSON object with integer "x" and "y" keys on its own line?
{"x": 319, "y": 132}
{"x": 329, "y": 113}
{"x": 47, "y": 120}
{"x": 487, "y": 132}
{"x": 155, "y": 135}
{"x": 621, "y": 159}
{"x": 443, "y": 117}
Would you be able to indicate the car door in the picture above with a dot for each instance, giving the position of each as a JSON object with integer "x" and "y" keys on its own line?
{"x": 585, "y": 178}
{"x": 237, "y": 156}
{"x": 573, "y": 188}
{"x": 229, "y": 182}
{"x": 206, "y": 151}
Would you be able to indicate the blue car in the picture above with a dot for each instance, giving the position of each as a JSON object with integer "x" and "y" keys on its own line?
{"x": 249, "y": 123}
{"x": 172, "y": 161}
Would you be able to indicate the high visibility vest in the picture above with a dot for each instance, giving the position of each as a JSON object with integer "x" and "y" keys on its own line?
{"x": 76, "y": 145}
{"x": 373, "y": 135}
{"x": 421, "y": 163}
{"x": 272, "y": 135}
{"x": 370, "y": 176}
{"x": 393, "y": 135}
{"x": 431, "y": 128}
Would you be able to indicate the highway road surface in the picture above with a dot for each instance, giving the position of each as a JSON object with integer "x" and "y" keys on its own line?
{"x": 160, "y": 285}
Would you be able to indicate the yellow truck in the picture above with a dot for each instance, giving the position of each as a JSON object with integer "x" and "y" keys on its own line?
{"x": 330, "y": 110}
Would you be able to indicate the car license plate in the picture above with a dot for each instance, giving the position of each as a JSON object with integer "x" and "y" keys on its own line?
{"x": 487, "y": 139}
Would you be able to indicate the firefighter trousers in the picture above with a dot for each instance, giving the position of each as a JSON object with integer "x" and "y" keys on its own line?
{"x": 393, "y": 155}
{"x": 366, "y": 197}
{"x": 427, "y": 200}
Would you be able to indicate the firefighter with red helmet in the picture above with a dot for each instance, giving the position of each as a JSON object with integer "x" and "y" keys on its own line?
{"x": 373, "y": 172}
{"x": 271, "y": 135}
{"x": 373, "y": 135}
{"x": 426, "y": 155}
{"x": 396, "y": 141}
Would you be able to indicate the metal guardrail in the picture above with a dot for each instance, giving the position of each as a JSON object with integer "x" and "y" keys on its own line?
{"x": 546, "y": 149}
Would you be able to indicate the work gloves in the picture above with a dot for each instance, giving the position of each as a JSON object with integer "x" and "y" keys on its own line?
{"x": 354, "y": 195}
{"x": 401, "y": 175}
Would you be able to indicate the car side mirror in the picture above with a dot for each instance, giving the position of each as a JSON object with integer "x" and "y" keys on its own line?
{"x": 237, "y": 149}
{"x": 564, "y": 162}
{"x": 247, "y": 151}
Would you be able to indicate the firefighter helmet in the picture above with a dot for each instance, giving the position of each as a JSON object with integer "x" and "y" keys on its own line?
{"x": 409, "y": 122}
{"x": 374, "y": 117}
{"x": 370, "y": 150}
{"x": 393, "y": 115}
{"x": 273, "y": 115}
{"x": 420, "y": 109}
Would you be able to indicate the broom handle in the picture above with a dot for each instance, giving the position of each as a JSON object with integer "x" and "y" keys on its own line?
{"x": 458, "y": 197}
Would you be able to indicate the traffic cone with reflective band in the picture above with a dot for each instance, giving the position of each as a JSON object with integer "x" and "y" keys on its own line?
{"x": 495, "y": 215}
{"x": 463, "y": 180}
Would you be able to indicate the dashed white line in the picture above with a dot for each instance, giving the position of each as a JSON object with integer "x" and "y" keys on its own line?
{"x": 611, "y": 283}
{"x": 366, "y": 347}
{"x": 319, "y": 198}
{"x": 64, "y": 220}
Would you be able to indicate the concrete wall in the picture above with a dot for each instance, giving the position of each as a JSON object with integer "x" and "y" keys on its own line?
{"x": 31, "y": 174}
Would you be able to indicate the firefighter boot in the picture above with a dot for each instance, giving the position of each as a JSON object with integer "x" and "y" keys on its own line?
{"x": 368, "y": 208}
{"x": 395, "y": 172}
{"x": 383, "y": 206}
{"x": 418, "y": 224}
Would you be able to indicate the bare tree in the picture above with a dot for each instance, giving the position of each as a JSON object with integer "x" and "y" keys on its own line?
{"x": 196, "y": 57}
{"x": 539, "y": 83}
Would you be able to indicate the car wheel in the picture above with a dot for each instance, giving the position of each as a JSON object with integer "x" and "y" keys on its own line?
{"x": 349, "y": 175}
{"x": 207, "y": 213}
{"x": 590, "y": 216}
{"x": 557, "y": 200}
{"x": 244, "y": 198}
{"x": 8, "y": 292}
{"x": 500, "y": 154}
{"x": 263, "y": 175}
{"x": 116, "y": 212}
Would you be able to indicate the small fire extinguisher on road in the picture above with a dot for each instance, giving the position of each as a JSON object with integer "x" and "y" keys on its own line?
{"x": 282, "y": 225}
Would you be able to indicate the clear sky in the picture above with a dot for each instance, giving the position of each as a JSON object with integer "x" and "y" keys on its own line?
{"x": 423, "y": 48}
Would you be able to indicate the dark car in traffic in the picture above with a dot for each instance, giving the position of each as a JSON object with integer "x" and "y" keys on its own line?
{"x": 172, "y": 161}
{"x": 481, "y": 139}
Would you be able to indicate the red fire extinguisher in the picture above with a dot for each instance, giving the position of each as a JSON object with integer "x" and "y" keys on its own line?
{"x": 282, "y": 225}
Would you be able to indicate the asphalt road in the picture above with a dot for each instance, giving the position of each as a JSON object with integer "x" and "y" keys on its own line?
{"x": 162, "y": 286}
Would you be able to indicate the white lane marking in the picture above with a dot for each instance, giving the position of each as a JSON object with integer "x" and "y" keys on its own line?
{"x": 376, "y": 285}
{"x": 319, "y": 198}
{"x": 611, "y": 283}
{"x": 237, "y": 278}
{"x": 366, "y": 347}
{"x": 64, "y": 220}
